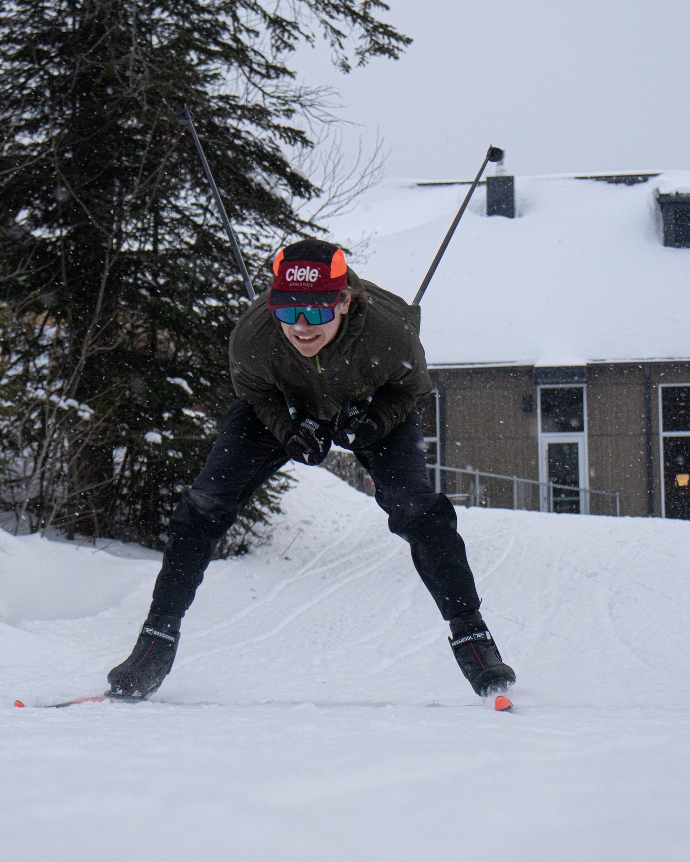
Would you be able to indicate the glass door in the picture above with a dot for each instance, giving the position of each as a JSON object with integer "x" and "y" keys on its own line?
{"x": 675, "y": 449}
{"x": 563, "y": 462}
{"x": 677, "y": 477}
{"x": 563, "y": 449}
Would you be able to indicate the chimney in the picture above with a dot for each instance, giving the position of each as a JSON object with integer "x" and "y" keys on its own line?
{"x": 500, "y": 193}
{"x": 675, "y": 214}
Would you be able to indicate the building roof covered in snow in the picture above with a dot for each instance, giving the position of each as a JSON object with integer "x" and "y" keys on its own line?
{"x": 581, "y": 275}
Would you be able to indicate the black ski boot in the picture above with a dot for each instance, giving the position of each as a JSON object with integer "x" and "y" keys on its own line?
{"x": 151, "y": 660}
{"x": 478, "y": 656}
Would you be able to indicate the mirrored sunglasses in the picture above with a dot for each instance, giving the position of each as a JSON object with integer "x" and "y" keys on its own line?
{"x": 313, "y": 316}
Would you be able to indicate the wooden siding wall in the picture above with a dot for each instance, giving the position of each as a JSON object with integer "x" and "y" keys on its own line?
{"x": 485, "y": 427}
{"x": 617, "y": 438}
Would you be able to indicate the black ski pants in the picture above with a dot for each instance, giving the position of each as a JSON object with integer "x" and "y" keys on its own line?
{"x": 244, "y": 456}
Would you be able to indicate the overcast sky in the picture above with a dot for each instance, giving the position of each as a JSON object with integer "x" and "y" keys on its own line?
{"x": 598, "y": 85}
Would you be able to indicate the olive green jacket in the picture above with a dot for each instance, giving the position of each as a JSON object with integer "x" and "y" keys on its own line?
{"x": 377, "y": 352}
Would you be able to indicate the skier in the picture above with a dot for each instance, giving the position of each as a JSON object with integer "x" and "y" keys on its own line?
{"x": 322, "y": 357}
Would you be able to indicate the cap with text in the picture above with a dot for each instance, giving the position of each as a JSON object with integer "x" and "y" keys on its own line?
{"x": 310, "y": 272}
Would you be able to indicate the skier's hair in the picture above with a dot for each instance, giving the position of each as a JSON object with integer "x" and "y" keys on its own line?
{"x": 356, "y": 288}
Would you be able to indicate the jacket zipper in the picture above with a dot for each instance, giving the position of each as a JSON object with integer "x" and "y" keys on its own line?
{"x": 322, "y": 388}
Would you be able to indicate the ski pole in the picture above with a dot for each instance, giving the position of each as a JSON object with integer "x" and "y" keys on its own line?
{"x": 186, "y": 117}
{"x": 493, "y": 154}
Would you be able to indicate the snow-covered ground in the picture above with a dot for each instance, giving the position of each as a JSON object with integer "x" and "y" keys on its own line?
{"x": 315, "y": 712}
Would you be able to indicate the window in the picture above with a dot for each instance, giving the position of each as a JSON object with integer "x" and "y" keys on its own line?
{"x": 562, "y": 410}
{"x": 675, "y": 408}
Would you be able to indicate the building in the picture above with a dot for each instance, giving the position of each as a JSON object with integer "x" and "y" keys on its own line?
{"x": 557, "y": 333}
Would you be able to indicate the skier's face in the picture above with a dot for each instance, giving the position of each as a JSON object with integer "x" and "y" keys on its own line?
{"x": 308, "y": 339}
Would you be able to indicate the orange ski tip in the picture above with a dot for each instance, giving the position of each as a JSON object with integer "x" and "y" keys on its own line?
{"x": 502, "y": 704}
{"x": 19, "y": 704}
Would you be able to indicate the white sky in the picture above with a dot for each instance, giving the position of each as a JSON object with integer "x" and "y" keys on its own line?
{"x": 601, "y": 85}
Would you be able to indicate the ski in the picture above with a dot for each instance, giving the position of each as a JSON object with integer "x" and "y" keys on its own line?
{"x": 99, "y": 698}
{"x": 502, "y": 704}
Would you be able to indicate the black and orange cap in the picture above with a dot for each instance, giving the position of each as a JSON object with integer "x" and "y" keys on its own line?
{"x": 310, "y": 272}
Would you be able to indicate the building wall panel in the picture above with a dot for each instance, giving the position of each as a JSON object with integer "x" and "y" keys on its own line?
{"x": 616, "y": 434}
{"x": 485, "y": 427}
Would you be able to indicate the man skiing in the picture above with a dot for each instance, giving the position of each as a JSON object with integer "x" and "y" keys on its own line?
{"x": 322, "y": 357}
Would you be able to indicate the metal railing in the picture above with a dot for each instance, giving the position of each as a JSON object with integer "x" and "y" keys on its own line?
{"x": 497, "y": 491}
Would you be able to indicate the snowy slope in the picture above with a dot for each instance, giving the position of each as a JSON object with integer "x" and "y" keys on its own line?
{"x": 581, "y": 275}
{"x": 315, "y": 713}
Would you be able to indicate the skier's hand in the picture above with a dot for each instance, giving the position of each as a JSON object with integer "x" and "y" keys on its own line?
{"x": 308, "y": 441}
{"x": 347, "y": 420}
{"x": 356, "y": 426}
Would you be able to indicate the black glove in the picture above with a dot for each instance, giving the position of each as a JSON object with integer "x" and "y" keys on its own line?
{"x": 308, "y": 441}
{"x": 356, "y": 426}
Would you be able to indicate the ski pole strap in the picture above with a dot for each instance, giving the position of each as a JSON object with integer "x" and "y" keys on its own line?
{"x": 309, "y": 425}
{"x": 353, "y": 410}
{"x": 149, "y": 630}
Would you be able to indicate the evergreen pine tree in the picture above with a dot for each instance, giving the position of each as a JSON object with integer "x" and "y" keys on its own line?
{"x": 118, "y": 290}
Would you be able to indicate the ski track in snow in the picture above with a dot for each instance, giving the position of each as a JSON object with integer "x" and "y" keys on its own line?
{"x": 315, "y": 712}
